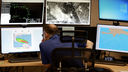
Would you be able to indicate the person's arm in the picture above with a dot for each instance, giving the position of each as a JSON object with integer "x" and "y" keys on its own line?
{"x": 44, "y": 57}
{"x": 47, "y": 65}
{"x": 89, "y": 44}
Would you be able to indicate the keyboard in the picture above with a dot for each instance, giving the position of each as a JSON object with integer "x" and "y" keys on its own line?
{"x": 16, "y": 60}
{"x": 118, "y": 63}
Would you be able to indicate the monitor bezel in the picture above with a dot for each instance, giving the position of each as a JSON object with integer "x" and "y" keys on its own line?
{"x": 106, "y": 18}
{"x": 75, "y": 24}
{"x": 18, "y": 27}
{"x": 97, "y": 38}
{"x": 37, "y": 23}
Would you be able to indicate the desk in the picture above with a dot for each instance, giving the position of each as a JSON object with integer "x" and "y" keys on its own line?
{"x": 5, "y": 63}
{"x": 114, "y": 68}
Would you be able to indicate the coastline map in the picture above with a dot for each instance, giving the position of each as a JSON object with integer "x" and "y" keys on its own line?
{"x": 113, "y": 39}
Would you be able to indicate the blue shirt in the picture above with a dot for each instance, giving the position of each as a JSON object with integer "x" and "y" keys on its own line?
{"x": 48, "y": 46}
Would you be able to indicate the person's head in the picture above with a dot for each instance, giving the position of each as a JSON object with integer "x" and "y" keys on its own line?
{"x": 49, "y": 30}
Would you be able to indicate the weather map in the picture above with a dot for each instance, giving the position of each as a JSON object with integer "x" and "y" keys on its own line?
{"x": 113, "y": 38}
{"x": 19, "y": 40}
{"x": 115, "y": 31}
{"x": 22, "y": 40}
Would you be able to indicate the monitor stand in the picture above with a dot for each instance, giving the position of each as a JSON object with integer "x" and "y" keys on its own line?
{"x": 24, "y": 57}
{"x": 109, "y": 60}
{"x": 116, "y": 23}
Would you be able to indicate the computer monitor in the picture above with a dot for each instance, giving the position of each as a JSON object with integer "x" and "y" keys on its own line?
{"x": 21, "y": 12}
{"x": 115, "y": 10}
{"x": 72, "y": 12}
{"x": 19, "y": 40}
{"x": 112, "y": 38}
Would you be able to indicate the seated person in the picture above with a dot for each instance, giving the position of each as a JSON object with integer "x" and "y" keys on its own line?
{"x": 51, "y": 41}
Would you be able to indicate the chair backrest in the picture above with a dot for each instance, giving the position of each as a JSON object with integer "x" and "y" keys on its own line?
{"x": 70, "y": 58}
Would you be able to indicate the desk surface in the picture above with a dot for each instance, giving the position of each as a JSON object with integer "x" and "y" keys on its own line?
{"x": 5, "y": 63}
{"x": 114, "y": 68}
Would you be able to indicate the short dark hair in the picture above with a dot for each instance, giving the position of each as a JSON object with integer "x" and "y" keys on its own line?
{"x": 50, "y": 30}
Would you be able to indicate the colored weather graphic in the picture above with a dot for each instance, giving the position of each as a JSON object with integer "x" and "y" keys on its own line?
{"x": 115, "y": 31}
{"x": 22, "y": 40}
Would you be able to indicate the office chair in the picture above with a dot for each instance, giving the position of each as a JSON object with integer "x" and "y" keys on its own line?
{"x": 66, "y": 59}
{"x": 67, "y": 63}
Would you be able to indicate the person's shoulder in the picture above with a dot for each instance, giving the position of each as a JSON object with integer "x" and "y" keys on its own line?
{"x": 53, "y": 40}
{"x": 55, "y": 36}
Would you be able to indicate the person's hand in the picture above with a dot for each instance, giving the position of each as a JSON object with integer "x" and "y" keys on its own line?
{"x": 89, "y": 44}
{"x": 43, "y": 40}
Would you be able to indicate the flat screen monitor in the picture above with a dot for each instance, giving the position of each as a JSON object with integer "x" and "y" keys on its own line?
{"x": 21, "y": 12}
{"x": 112, "y": 38}
{"x": 18, "y": 40}
{"x": 115, "y": 10}
{"x": 73, "y": 12}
